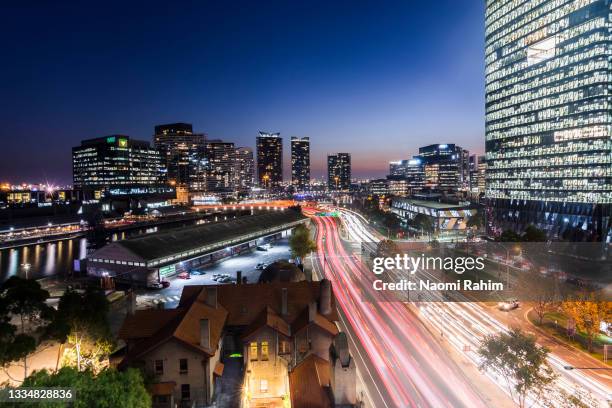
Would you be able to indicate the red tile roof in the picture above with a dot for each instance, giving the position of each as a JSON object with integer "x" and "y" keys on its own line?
{"x": 309, "y": 383}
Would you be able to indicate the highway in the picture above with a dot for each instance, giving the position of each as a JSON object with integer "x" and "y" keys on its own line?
{"x": 402, "y": 359}
{"x": 465, "y": 323}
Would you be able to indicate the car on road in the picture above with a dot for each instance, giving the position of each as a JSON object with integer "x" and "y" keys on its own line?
{"x": 155, "y": 285}
{"x": 262, "y": 248}
{"x": 508, "y": 305}
{"x": 261, "y": 266}
{"x": 184, "y": 275}
{"x": 196, "y": 272}
{"x": 165, "y": 284}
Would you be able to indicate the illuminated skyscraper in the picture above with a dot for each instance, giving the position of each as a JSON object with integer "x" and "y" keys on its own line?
{"x": 300, "y": 162}
{"x": 339, "y": 171}
{"x": 269, "y": 160}
{"x": 245, "y": 169}
{"x": 221, "y": 171}
{"x": 182, "y": 153}
{"x": 548, "y": 115}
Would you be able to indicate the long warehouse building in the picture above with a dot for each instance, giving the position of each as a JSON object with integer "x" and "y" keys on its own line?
{"x": 150, "y": 258}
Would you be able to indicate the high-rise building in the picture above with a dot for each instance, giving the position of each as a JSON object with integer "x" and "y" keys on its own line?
{"x": 116, "y": 161}
{"x": 446, "y": 167}
{"x": 183, "y": 155}
{"x": 269, "y": 160}
{"x": 548, "y": 115}
{"x": 221, "y": 171}
{"x": 245, "y": 169}
{"x": 339, "y": 171}
{"x": 300, "y": 162}
{"x": 481, "y": 175}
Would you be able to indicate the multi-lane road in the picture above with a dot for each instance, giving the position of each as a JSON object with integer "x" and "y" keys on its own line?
{"x": 401, "y": 362}
{"x": 405, "y": 368}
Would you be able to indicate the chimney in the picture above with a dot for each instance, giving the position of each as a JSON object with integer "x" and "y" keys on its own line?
{"x": 131, "y": 302}
{"x": 284, "y": 302}
{"x": 211, "y": 297}
{"x": 205, "y": 334}
{"x": 325, "y": 297}
{"x": 312, "y": 311}
{"x": 238, "y": 277}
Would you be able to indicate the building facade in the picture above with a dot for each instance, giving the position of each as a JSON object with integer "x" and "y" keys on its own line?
{"x": 445, "y": 167}
{"x": 269, "y": 160}
{"x": 183, "y": 155}
{"x": 300, "y": 162}
{"x": 221, "y": 171}
{"x": 116, "y": 161}
{"x": 548, "y": 115}
{"x": 339, "y": 171}
{"x": 245, "y": 169}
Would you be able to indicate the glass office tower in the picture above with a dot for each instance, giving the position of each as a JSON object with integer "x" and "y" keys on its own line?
{"x": 548, "y": 116}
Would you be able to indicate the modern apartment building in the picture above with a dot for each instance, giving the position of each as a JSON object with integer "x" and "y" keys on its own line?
{"x": 182, "y": 153}
{"x": 300, "y": 162}
{"x": 245, "y": 169}
{"x": 221, "y": 172}
{"x": 339, "y": 171}
{"x": 548, "y": 116}
{"x": 269, "y": 160}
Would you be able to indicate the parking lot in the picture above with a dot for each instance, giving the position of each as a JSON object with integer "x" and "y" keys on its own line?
{"x": 245, "y": 262}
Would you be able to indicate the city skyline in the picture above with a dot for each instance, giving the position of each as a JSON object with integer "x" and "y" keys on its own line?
{"x": 351, "y": 90}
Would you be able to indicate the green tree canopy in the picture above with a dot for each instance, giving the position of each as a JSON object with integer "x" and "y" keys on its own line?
{"x": 108, "y": 389}
{"x": 81, "y": 320}
{"x": 533, "y": 234}
{"x": 300, "y": 243}
{"x": 522, "y": 363}
{"x": 26, "y": 299}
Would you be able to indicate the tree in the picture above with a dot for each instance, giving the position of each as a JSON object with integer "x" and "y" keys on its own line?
{"x": 422, "y": 222}
{"x": 108, "y": 389}
{"x": 81, "y": 321}
{"x": 587, "y": 312}
{"x": 13, "y": 345}
{"x": 26, "y": 299}
{"x": 522, "y": 363}
{"x": 300, "y": 243}
{"x": 533, "y": 234}
{"x": 387, "y": 248}
{"x": 509, "y": 236}
{"x": 542, "y": 290}
{"x": 476, "y": 221}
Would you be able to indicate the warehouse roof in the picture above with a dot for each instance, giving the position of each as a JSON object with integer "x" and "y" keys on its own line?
{"x": 178, "y": 241}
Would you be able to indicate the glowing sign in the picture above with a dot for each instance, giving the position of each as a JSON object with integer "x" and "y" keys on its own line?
{"x": 123, "y": 142}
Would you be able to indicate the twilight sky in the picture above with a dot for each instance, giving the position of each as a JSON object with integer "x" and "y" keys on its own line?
{"x": 355, "y": 76}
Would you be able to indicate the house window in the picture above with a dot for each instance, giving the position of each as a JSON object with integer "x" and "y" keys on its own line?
{"x": 159, "y": 367}
{"x": 183, "y": 366}
{"x": 253, "y": 352}
{"x": 283, "y": 347}
{"x": 185, "y": 392}
{"x": 263, "y": 386}
{"x": 264, "y": 350}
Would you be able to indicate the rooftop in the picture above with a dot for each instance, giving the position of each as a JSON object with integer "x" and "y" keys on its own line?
{"x": 179, "y": 242}
{"x": 432, "y": 204}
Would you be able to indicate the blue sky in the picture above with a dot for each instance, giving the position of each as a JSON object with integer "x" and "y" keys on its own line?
{"x": 375, "y": 79}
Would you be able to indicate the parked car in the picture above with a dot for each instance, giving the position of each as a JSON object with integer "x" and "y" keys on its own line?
{"x": 262, "y": 248}
{"x": 155, "y": 285}
{"x": 261, "y": 266}
{"x": 196, "y": 272}
{"x": 184, "y": 275}
{"x": 165, "y": 283}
